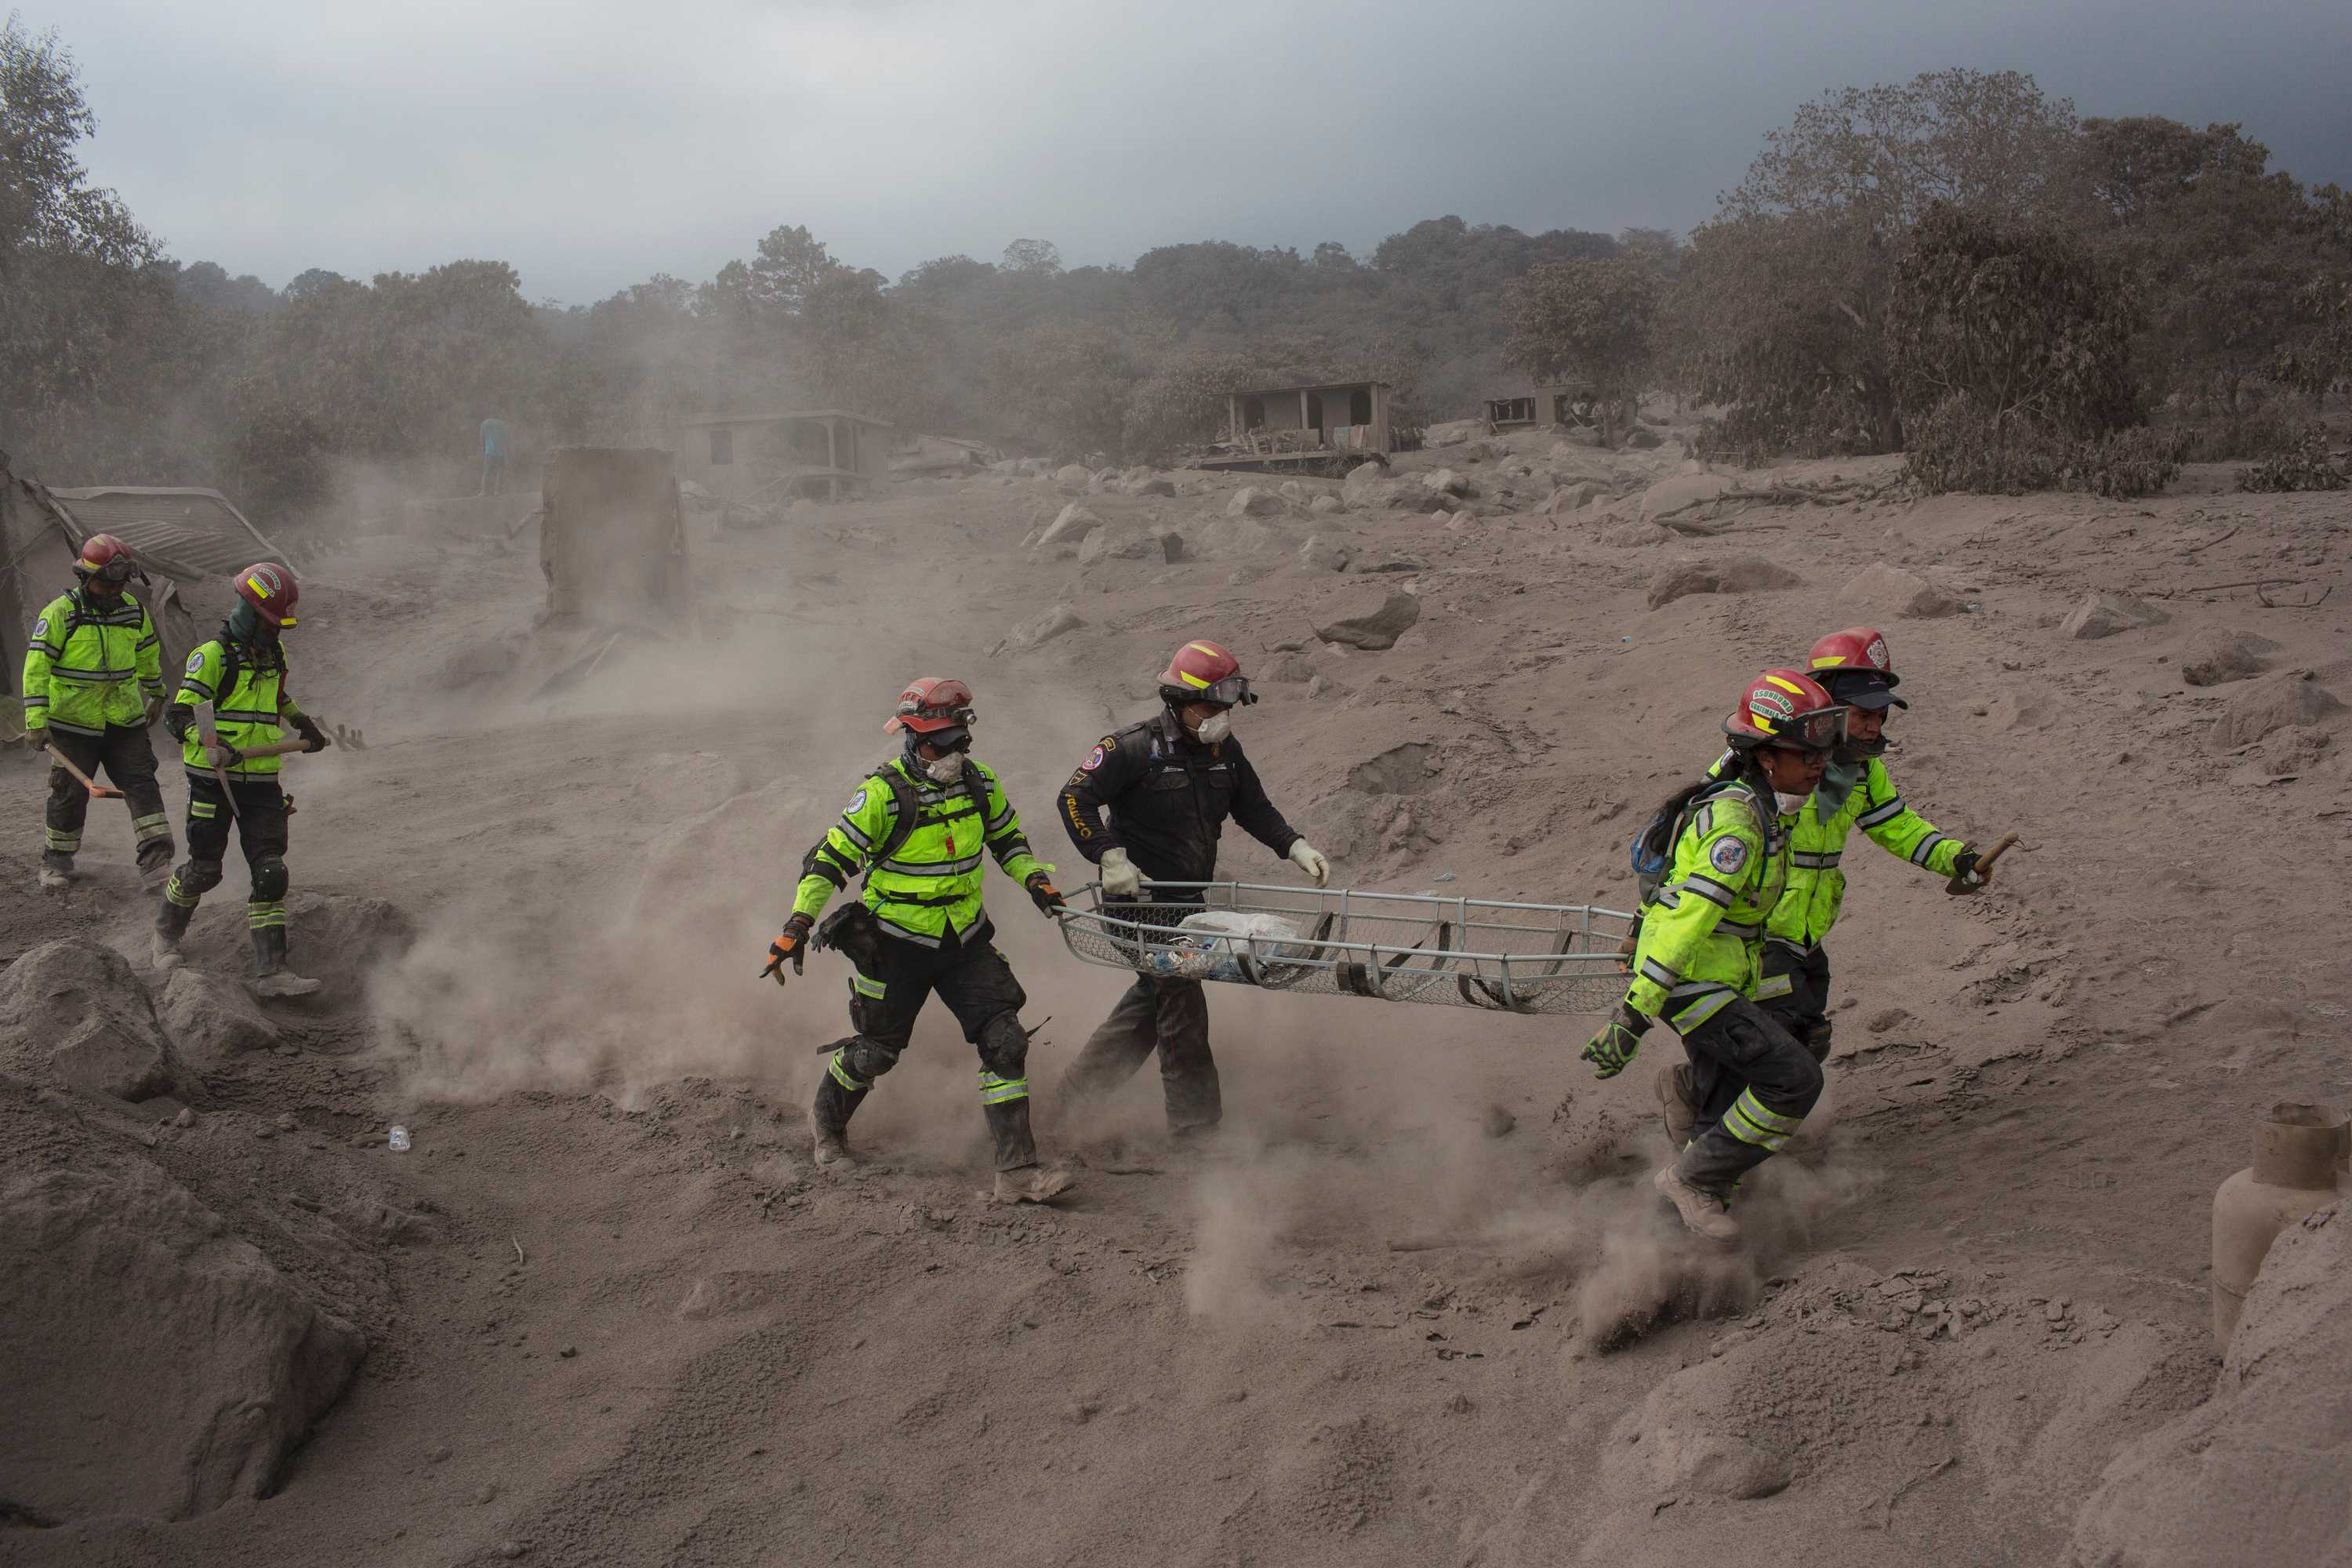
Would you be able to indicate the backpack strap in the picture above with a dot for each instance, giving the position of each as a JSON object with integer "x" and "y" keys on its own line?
{"x": 909, "y": 814}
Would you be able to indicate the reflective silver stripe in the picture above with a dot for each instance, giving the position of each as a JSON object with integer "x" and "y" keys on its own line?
{"x": 1736, "y": 929}
{"x": 60, "y": 673}
{"x": 1652, "y": 970}
{"x": 1872, "y": 818}
{"x": 56, "y": 723}
{"x": 1706, "y": 888}
{"x": 246, "y": 715}
{"x": 903, "y": 934}
{"x": 1799, "y": 948}
{"x": 1927, "y": 847}
{"x": 1810, "y": 860}
{"x": 851, "y": 831}
{"x": 930, "y": 868}
{"x": 1702, "y": 1002}
{"x": 1774, "y": 986}
{"x": 192, "y": 684}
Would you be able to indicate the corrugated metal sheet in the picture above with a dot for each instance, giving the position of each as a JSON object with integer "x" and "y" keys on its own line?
{"x": 190, "y": 534}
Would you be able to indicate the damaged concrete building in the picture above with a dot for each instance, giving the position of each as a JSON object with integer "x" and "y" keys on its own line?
{"x": 1311, "y": 429}
{"x": 759, "y": 459}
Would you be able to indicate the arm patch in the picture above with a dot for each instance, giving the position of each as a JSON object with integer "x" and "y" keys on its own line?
{"x": 1729, "y": 854}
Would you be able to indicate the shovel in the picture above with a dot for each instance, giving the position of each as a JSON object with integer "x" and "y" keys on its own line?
{"x": 1984, "y": 864}
{"x": 96, "y": 789}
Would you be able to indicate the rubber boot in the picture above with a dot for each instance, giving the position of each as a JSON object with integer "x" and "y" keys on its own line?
{"x": 829, "y": 1122}
{"x": 170, "y": 925}
{"x": 155, "y": 871}
{"x": 270, "y": 975}
{"x": 1675, "y": 1102}
{"x": 1019, "y": 1178}
{"x": 56, "y": 872}
{"x": 1703, "y": 1213}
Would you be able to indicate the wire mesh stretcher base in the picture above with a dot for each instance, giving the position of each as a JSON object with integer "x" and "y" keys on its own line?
{"x": 1550, "y": 959}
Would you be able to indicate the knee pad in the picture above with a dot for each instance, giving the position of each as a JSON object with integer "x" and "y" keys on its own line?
{"x": 1817, "y": 1039}
{"x": 270, "y": 878}
{"x": 867, "y": 1058}
{"x": 1004, "y": 1046}
{"x": 200, "y": 876}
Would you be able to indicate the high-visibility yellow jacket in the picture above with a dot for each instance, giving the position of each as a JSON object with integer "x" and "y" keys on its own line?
{"x": 91, "y": 663}
{"x": 256, "y": 710}
{"x": 1702, "y": 930}
{"x": 931, "y": 880}
{"x": 1850, "y": 795}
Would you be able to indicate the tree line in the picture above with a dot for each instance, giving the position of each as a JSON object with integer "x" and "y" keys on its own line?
{"x": 1901, "y": 265}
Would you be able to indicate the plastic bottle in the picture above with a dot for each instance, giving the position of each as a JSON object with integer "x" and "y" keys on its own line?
{"x": 399, "y": 1138}
{"x": 2298, "y": 1151}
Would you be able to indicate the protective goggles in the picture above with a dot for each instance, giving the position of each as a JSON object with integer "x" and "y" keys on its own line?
{"x": 1821, "y": 729}
{"x": 114, "y": 574}
{"x": 1233, "y": 691}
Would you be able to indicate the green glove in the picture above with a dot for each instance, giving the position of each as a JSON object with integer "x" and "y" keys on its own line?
{"x": 1612, "y": 1050}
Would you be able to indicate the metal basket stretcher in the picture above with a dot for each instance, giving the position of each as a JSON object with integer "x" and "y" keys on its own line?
{"x": 1552, "y": 958}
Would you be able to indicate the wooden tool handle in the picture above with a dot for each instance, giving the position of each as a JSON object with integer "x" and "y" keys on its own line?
{"x": 1984, "y": 864}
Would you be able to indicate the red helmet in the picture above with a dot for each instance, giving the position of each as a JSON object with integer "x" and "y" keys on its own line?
{"x": 106, "y": 558}
{"x": 1854, "y": 667}
{"x": 1205, "y": 672}
{"x": 269, "y": 589}
{"x": 1786, "y": 708}
{"x": 931, "y": 704}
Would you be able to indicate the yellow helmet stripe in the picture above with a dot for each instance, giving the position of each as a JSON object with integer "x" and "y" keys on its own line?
{"x": 1789, "y": 685}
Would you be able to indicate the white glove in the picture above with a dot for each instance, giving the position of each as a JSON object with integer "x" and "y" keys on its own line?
{"x": 1309, "y": 859}
{"x": 1120, "y": 880}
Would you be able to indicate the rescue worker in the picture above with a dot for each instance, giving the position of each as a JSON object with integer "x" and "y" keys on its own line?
{"x": 93, "y": 682}
{"x": 1169, "y": 783}
{"x": 242, "y": 673}
{"x": 1855, "y": 668}
{"x": 1702, "y": 931}
{"x": 916, "y": 828}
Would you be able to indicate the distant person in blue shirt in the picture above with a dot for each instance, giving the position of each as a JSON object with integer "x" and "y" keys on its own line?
{"x": 494, "y": 457}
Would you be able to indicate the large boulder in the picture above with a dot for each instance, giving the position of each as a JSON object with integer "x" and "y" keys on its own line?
{"x": 2105, "y": 614}
{"x": 1722, "y": 574}
{"x": 1071, "y": 524}
{"x": 73, "y": 1012}
{"x": 1880, "y": 592}
{"x": 1446, "y": 482}
{"x": 1041, "y": 628}
{"x": 2290, "y": 698}
{"x": 2215, "y": 657}
{"x": 1363, "y": 481}
{"x": 210, "y": 1018}
{"x": 1151, "y": 485}
{"x": 1250, "y": 501}
{"x": 2257, "y": 1473}
{"x": 1071, "y": 479}
{"x": 1327, "y": 505}
{"x": 1572, "y": 497}
{"x": 1684, "y": 492}
{"x": 156, "y": 1366}
{"x": 1131, "y": 545}
{"x": 1370, "y": 618}
{"x": 1320, "y": 554}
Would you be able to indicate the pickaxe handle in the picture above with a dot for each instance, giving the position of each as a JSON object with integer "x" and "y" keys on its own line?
{"x": 96, "y": 789}
{"x": 1984, "y": 864}
{"x": 208, "y": 736}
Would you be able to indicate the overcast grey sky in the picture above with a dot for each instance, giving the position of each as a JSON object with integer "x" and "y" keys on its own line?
{"x": 596, "y": 142}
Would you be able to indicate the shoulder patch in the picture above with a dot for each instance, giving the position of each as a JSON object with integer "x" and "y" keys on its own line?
{"x": 196, "y": 664}
{"x": 1729, "y": 854}
{"x": 1094, "y": 758}
{"x": 857, "y": 802}
{"x": 41, "y": 629}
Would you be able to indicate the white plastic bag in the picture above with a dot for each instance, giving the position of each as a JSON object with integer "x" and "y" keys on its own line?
{"x": 1215, "y": 941}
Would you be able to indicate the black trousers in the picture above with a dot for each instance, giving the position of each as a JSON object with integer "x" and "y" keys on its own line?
{"x": 125, "y": 758}
{"x": 1167, "y": 1016}
{"x": 258, "y": 810}
{"x": 979, "y": 988}
{"x": 1796, "y": 990}
{"x": 1754, "y": 1084}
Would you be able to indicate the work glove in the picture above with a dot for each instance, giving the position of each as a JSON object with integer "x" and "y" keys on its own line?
{"x": 1043, "y": 894}
{"x": 1309, "y": 859}
{"x": 792, "y": 946}
{"x": 310, "y": 730}
{"x": 1965, "y": 869}
{"x": 1612, "y": 1050}
{"x": 224, "y": 756}
{"x": 40, "y": 739}
{"x": 151, "y": 709}
{"x": 1120, "y": 880}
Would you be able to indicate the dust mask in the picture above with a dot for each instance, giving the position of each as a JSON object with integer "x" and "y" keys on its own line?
{"x": 947, "y": 769}
{"x": 1788, "y": 804}
{"x": 1214, "y": 728}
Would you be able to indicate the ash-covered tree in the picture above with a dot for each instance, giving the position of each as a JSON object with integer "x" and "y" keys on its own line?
{"x": 1781, "y": 305}
{"x": 2011, "y": 350}
{"x": 1592, "y": 322}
